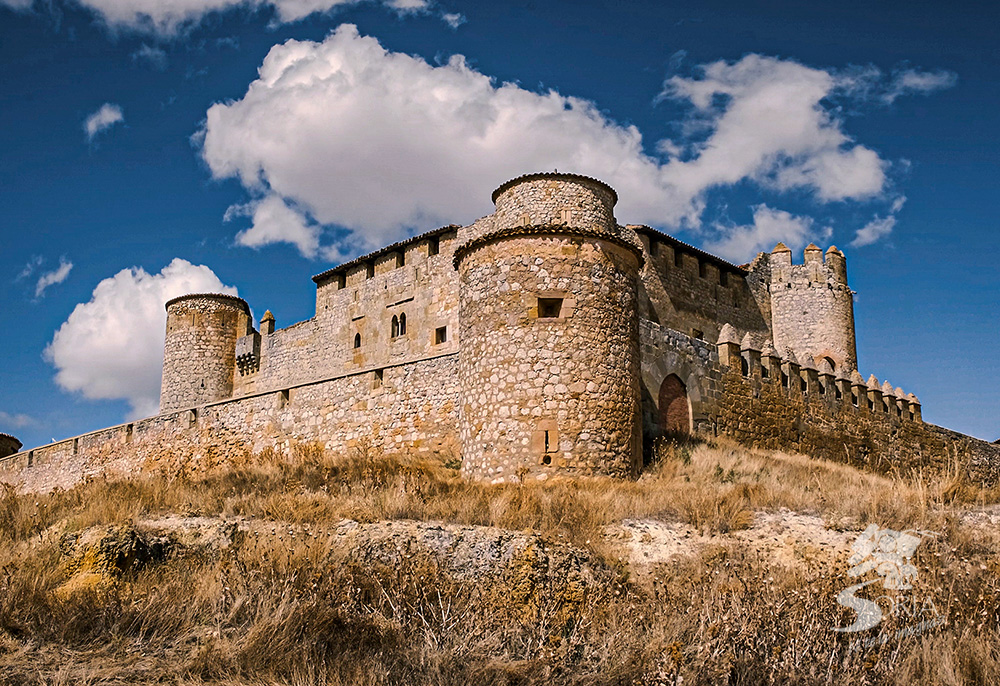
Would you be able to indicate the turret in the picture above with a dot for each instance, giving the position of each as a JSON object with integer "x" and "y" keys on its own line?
{"x": 199, "y": 352}
{"x": 549, "y": 363}
{"x": 8, "y": 445}
{"x": 812, "y": 307}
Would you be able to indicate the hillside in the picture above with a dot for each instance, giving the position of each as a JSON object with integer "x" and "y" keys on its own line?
{"x": 719, "y": 565}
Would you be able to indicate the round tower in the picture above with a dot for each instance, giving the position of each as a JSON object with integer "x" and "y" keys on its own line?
{"x": 549, "y": 363}
{"x": 199, "y": 352}
{"x": 8, "y": 445}
{"x": 812, "y": 307}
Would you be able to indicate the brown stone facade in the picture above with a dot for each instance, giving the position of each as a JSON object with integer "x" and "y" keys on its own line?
{"x": 545, "y": 338}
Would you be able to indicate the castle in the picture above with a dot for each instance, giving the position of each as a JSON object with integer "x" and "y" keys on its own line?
{"x": 543, "y": 339}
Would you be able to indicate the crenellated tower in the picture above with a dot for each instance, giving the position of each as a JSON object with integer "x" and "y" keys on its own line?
{"x": 199, "y": 352}
{"x": 549, "y": 364}
{"x": 812, "y": 306}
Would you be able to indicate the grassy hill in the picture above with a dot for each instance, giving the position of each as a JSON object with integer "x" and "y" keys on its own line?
{"x": 719, "y": 565}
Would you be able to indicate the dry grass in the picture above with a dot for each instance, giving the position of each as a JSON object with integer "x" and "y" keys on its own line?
{"x": 297, "y": 611}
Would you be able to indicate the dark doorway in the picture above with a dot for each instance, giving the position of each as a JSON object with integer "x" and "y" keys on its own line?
{"x": 675, "y": 412}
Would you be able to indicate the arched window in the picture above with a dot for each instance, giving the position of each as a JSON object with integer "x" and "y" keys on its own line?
{"x": 357, "y": 340}
{"x": 402, "y": 323}
{"x": 395, "y": 326}
{"x": 833, "y": 365}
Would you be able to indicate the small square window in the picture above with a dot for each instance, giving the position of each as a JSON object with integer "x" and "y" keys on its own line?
{"x": 549, "y": 308}
{"x": 433, "y": 246}
{"x": 440, "y": 335}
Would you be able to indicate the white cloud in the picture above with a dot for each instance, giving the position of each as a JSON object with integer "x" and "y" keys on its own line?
{"x": 170, "y": 17}
{"x": 107, "y": 116}
{"x": 112, "y": 346}
{"x": 453, "y": 19}
{"x": 56, "y": 276}
{"x": 910, "y": 81}
{"x": 273, "y": 221}
{"x": 384, "y": 143}
{"x": 17, "y": 5}
{"x": 771, "y": 128}
{"x": 151, "y": 55}
{"x": 29, "y": 268}
{"x": 770, "y": 226}
{"x": 875, "y": 230}
{"x": 15, "y": 421}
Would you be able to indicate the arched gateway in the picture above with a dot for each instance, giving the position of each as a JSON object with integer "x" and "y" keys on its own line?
{"x": 675, "y": 410}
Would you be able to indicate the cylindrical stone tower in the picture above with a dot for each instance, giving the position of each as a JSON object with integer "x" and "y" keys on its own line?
{"x": 199, "y": 352}
{"x": 549, "y": 363}
{"x": 812, "y": 307}
{"x": 8, "y": 445}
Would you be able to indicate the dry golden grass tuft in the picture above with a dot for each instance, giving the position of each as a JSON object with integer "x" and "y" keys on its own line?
{"x": 301, "y": 610}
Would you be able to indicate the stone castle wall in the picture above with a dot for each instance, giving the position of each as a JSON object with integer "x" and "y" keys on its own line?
{"x": 685, "y": 289}
{"x": 542, "y": 338}
{"x": 414, "y": 282}
{"x": 411, "y": 407}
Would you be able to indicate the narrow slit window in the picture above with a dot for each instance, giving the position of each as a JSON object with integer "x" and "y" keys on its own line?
{"x": 678, "y": 258}
{"x": 400, "y": 259}
{"x": 395, "y": 327}
{"x": 357, "y": 340}
{"x": 377, "y": 379}
{"x": 744, "y": 366}
{"x": 549, "y": 308}
{"x": 370, "y": 270}
{"x": 702, "y": 269}
{"x": 402, "y": 324}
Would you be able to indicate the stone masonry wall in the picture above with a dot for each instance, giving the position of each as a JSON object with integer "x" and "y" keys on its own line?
{"x": 812, "y": 307}
{"x": 413, "y": 408}
{"x": 540, "y": 393}
{"x": 417, "y": 282}
{"x": 199, "y": 353}
{"x": 769, "y": 403}
{"x": 682, "y": 290}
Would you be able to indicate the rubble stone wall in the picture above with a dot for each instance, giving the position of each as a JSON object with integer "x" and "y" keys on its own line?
{"x": 412, "y": 407}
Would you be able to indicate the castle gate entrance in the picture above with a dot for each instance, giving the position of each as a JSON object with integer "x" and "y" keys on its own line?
{"x": 675, "y": 411}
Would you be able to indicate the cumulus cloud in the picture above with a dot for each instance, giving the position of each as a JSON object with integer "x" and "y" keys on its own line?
{"x": 384, "y": 143}
{"x": 273, "y": 221}
{"x": 56, "y": 276}
{"x": 112, "y": 346}
{"x": 107, "y": 116}
{"x": 771, "y": 127}
{"x": 769, "y": 227}
{"x": 453, "y": 19}
{"x": 170, "y": 17}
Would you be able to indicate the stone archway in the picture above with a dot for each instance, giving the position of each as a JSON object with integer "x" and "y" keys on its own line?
{"x": 675, "y": 410}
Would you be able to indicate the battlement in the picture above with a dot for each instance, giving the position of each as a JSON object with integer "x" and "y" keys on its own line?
{"x": 829, "y": 268}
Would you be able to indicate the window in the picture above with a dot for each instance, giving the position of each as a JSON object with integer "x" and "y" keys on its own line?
{"x": 784, "y": 379}
{"x": 702, "y": 269}
{"x": 357, "y": 340}
{"x": 822, "y": 388}
{"x": 433, "y": 246}
{"x": 803, "y": 385}
{"x": 369, "y": 270}
{"x": 723, "y": 278}
{"x": 765, "y": 373}
{"x": 549, "y": 308}
{"x": 402, "y": 323}
{"x": 395, "y": 327}
{"x": 838, "y": 394}
{"x": 678, "y": 258}
{"x": 744, "y": 366}
{"x": 565, "y": 216}
{"x": 440, "y": 335}
{"x": 833, "y": 365}
{"x": 854, "y": 399}
{"x": 377, "y": 378}
{"x": 283, "y": 397}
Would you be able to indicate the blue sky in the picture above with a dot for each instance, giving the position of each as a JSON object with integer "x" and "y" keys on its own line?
{"x": 216, "y": 144}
